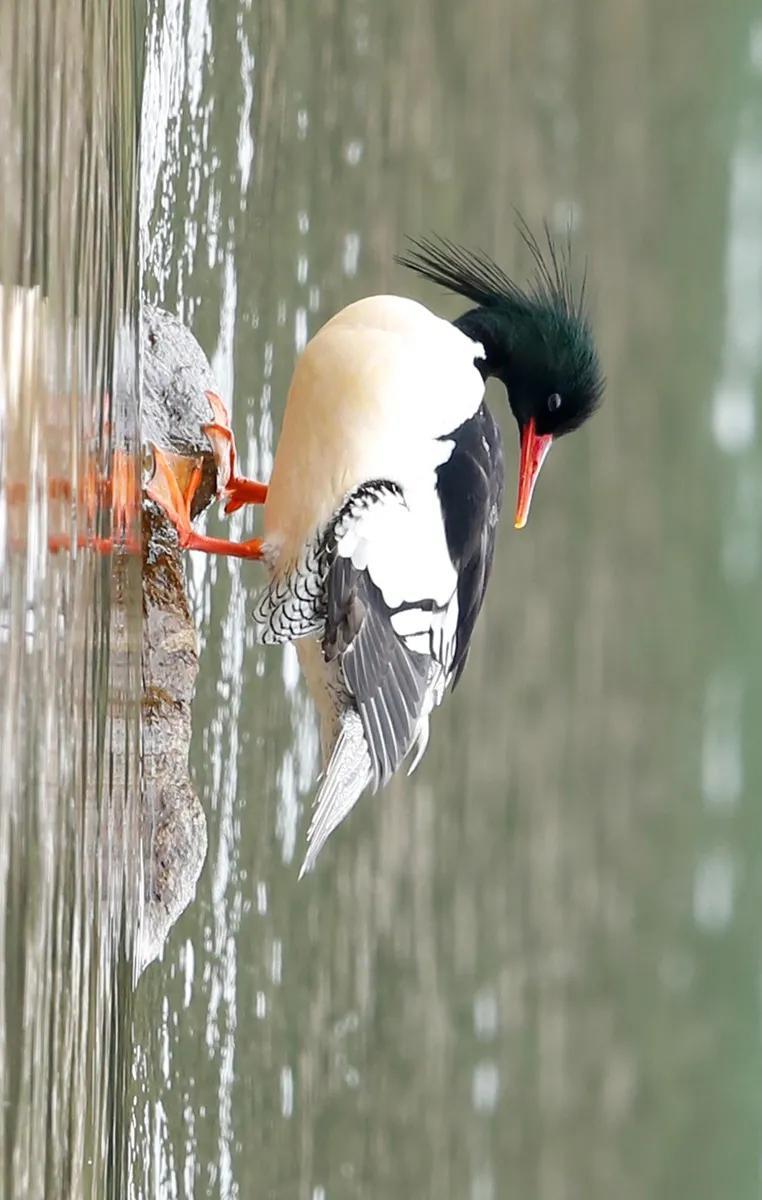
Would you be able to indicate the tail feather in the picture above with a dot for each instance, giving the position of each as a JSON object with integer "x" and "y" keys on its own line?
{"x": 347, "y": 775}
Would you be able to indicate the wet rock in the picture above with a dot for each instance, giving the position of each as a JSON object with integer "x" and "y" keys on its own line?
{"x": 176, "y": 378}
{"x": 176, "y": 374}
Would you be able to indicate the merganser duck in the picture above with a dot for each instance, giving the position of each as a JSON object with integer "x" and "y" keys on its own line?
{"x": 387, "y": 484}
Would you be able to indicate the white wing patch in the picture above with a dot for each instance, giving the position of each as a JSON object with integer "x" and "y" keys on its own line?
{"x": 410, "y": 621}
{"x": 402, "y": 545}
{"x": 397, "y": 554}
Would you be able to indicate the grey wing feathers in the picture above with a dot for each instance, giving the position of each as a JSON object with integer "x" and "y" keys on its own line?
{"x": 387, "y": 681}
{"x": 379, "y": 589}
{"x": 346, "y": 777}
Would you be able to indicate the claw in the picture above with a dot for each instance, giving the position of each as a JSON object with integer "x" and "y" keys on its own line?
{"x": 235, "y": 488}
{"x": 165, "y": 490}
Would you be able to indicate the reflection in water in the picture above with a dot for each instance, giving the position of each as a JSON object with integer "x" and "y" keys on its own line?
{"x": 69, "y": 619}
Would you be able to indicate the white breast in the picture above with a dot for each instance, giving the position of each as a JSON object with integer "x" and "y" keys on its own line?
{"x": 372, "y": 395}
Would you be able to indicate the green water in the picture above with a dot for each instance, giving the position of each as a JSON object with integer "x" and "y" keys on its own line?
{"x": 532, "y": 970}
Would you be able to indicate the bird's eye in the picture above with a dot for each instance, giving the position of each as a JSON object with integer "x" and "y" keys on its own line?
{"x": 554, "y": 402}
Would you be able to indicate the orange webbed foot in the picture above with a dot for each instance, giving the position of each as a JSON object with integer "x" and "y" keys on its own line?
{"x": 236, "y": 489}
{"x": 165, "y": 490}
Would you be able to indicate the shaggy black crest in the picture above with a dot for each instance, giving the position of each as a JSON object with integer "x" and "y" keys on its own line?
{"x": 538, "y": 339}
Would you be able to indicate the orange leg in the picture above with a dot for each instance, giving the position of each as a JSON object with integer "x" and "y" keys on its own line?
{"x": 166, "y": 491}
{"x": 235, "y": 488}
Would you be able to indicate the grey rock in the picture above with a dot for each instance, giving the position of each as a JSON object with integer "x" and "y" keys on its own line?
{"x": 176, "y": 374}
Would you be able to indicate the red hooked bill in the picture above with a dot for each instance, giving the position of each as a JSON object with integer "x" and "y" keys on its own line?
{"x": 534, "y": 449}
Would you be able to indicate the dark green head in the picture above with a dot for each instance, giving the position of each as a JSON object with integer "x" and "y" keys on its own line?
{"x": 537, "y": 340}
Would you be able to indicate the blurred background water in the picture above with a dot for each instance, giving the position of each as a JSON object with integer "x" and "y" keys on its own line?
{"x": 533, "y": 970}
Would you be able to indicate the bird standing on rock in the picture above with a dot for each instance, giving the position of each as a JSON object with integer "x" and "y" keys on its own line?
{"x": 380, "y": 518}
{"x": 387, "y": 484}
